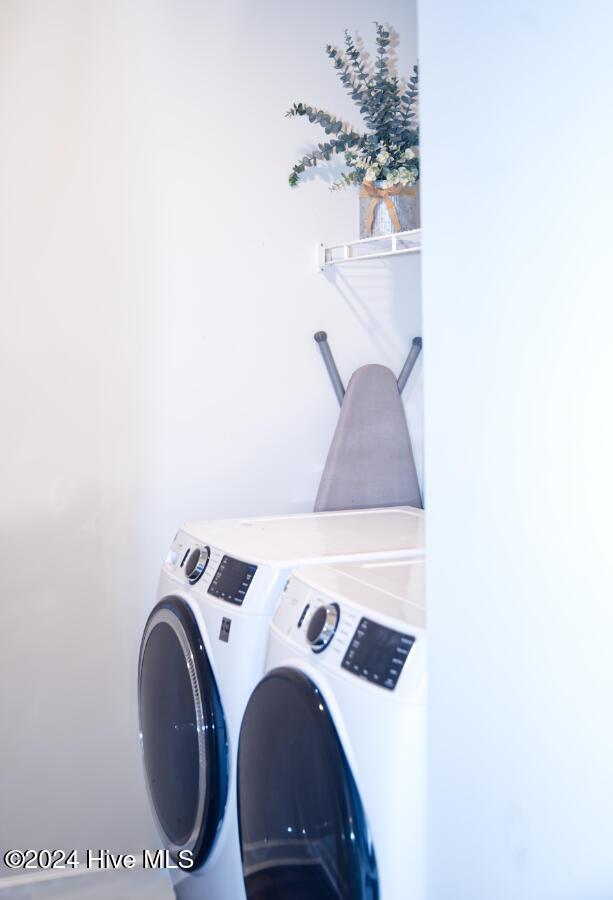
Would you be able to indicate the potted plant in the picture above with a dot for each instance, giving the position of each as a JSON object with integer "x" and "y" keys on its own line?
{"x": 383, "y": 160}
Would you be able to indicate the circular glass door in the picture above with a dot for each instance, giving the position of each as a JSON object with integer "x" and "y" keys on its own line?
{"x": 303, "y": 830}
{"x": 182, "y": 730}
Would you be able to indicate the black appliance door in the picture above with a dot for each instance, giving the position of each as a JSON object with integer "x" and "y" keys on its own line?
{"x": 302, "y": 826}
{"x": 183, "y": 733}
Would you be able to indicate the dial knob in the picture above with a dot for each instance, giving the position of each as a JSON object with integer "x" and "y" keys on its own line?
{"x": 197, "y": 562}
{"x": 322, "y": 626}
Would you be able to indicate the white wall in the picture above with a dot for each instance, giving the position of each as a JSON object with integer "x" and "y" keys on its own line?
{"x": 518, "y": 215}
{"x": 159, "y": 298}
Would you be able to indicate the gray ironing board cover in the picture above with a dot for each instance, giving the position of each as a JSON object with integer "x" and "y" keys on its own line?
{"x": 370, "y": 462}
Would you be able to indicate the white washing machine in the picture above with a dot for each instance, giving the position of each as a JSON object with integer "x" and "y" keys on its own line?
{"x": 202, "y": 653}
{"x": 331, "y": 758}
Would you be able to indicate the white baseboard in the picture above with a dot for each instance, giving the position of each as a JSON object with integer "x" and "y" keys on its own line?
{"x": 34, "y": 877}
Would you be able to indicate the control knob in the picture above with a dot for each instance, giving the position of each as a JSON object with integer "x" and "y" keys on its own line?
{"x": 322, "y": 626}
{"x": 196, "y": 563}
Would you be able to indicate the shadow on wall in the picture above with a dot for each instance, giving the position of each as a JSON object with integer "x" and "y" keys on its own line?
{"x": 374, "y": 295}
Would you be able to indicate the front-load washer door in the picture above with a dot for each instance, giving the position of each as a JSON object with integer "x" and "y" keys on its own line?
{"x": 302, "y": 826}
{"x": 183, "y": 732}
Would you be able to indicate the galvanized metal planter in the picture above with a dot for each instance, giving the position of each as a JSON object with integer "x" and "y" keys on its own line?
{"x": 387, "y": 210}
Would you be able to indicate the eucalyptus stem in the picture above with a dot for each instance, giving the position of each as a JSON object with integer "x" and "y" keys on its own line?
{"x": 388, "y": 148}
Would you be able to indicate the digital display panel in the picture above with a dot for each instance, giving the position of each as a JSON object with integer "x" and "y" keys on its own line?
{"x": 378, "y": 653}
{"x": 232, "y": 579}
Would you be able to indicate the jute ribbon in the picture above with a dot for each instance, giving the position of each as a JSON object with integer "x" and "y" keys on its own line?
{"x": 369, "y": 189}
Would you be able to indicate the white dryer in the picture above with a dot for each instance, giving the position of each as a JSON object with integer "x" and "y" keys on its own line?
{"x": 331, "y": 759}
{"x": 202, "y": 653}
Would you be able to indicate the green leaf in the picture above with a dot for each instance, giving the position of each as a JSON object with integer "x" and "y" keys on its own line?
{"x": 389, "y": 109}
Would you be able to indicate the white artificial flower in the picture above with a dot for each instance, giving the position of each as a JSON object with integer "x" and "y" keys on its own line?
{"x": 372, "y": 173}
{"x": 383, "y": 157}
{"x": 407, "y": 176}
{"x": 409, "y": 153}
{"x": 360, "y": 163}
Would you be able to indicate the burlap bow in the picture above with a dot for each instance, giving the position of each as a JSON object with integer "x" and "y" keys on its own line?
{"x": 369, "y": 189}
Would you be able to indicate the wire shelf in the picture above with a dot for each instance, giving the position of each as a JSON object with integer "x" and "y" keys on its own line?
{"x": 397, "y": 244}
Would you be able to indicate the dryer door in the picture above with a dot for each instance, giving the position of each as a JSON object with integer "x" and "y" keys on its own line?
{"x": 302, "y": 825}
{"x": 183, "y": 733}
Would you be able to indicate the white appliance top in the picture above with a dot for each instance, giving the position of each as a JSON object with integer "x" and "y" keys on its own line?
{"x": 393, "y": 590}
{"x": 288, "y": 541}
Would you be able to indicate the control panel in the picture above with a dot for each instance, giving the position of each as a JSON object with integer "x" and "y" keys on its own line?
{"x": 232, "y": 579}
{"x": 377, "y": 653}
{"x": 206, "y": 569}
{"x": 346, "y": 637}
